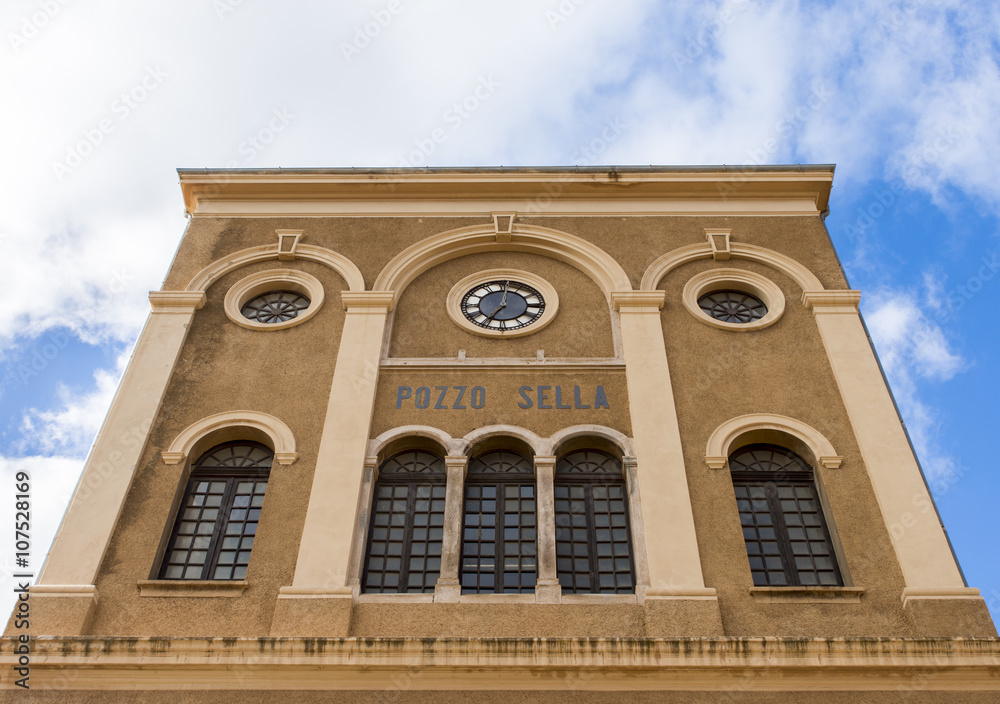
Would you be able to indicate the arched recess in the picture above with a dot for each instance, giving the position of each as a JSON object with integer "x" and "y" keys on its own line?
{"x": 774, "y": 429}
{"x": 477, "y": 437}
{"x": 576, "y": 251}
{"x": 233, "y": 425}
{"x": 806, "y": 280}
{"x": 566, "y": 436}
{"x": 443, "y": 442}
{"x": 336, "y": 261}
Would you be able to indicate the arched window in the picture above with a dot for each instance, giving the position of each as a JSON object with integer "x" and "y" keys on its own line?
{"x": 499, "y": 528}
{"x": 593, "y": 540}
{"x": 407, "y": 526}
{"x": 787, "y": 540}
{"x": 217, "y": 521}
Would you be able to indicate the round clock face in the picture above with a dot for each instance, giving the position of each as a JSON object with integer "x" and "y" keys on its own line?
{"x": 503, "y": 305}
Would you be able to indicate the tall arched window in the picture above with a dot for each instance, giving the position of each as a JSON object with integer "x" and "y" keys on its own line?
{"x": 593, "y": 540}
{"x": 499, "y": 528}
{"x": 217, "y": 521}
{"x": 787, "y": 539}
{"x": 407, "y": 524}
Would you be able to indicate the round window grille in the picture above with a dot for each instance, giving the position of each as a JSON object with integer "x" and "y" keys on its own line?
{"x": 732, "y": 306}
{"x": 275, "y": 307}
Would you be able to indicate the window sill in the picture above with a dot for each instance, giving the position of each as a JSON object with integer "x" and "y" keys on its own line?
{"x": 395, "y": 598}
{"x": 191, "y": 588}
{"x": 598, "y": 599}
{"x": 807, "y": 595}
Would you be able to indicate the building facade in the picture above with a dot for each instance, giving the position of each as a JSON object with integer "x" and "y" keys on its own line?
{"x": 472, "y": 434}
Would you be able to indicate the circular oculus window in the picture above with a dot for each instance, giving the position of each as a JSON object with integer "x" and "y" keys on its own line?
{"x": 733, "y": 299}
{"x": 274, "y": 300}
{"x": 733, "y": 306}
{"x": 502, "y": 303}
{"x": 275, "y": 307}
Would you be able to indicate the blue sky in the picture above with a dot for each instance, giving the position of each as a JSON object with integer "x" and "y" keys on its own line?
{"x": 105, "y": 99}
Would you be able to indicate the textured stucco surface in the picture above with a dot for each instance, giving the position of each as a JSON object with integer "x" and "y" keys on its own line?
{"x": 716, "y": 375}
{"x": 581, "y": 327}
{"x": 286, "y": 373}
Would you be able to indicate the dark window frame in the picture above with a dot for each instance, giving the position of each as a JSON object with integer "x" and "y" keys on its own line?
{"x": 480, "y": 476}
{"x": 566, "y": 479}
{"x": 770, "y": 482}
{"x": 414, "y": 481}
{"x": 232, "y": 476}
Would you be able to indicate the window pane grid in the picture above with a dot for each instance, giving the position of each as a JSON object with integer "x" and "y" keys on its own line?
{"x": 499, "y": 538}
{"x": 593, "y": 549}
{"x": 407, "y": 526}
{"x": 787, "y": 540}
{"x": 215, "y": 528}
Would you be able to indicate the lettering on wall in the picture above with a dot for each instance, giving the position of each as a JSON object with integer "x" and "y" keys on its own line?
{"x": 551, "y": 397}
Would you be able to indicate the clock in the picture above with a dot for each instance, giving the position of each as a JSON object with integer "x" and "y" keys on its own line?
{"x": 502, "y": 303}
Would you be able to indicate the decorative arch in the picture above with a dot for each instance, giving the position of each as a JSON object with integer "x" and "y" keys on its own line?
{"x": 233, "y": 425}
{"x": 806, "y": 280}
{"x": 721, "y": 442}
{"x": 336, "y": 261}
{"x": 576, "y": 251}
{"x": 538, "y": 445}
{"x": 616, "y": 438}
{"x": 451, "y": 446}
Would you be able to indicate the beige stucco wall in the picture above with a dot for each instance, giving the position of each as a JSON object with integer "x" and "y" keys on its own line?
{"x": 715, "y": 374}
{"x": 224, "y": 367}
{"x": 581, "y": 328}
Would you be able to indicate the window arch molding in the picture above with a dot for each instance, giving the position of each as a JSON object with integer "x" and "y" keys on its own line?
{"x": 309, "y": 252}
{"x": 414, "y": 437}
{"x": 592, "y": 436}
{"x": 770, "y": 428}
{"x": 481, "y": 439}
{"x": 233, "y": 425}
{"x": 806, "y": 279}
{"x": 600, "y": 266}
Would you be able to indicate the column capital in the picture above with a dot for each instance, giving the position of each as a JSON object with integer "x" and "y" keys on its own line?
{"x": 457, "y": 462}
{"x": 544, "y": 462}
{"x": 638, "y": 301}
{"x": 383, "y": 300}
{"x": 831, "y": 301}
{"x": 176, "y": 301}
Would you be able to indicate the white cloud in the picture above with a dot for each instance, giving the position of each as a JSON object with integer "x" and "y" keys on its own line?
{"x": 52, "y": 481}
{"x": 911, "y": 347}
{"x": 71, "y": 428}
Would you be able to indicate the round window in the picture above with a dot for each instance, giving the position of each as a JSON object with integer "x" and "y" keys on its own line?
{"x": 275, "y": 307}
{"x": 733, "y": 306}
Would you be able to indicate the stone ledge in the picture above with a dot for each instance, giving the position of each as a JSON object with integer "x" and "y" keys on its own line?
{"x": 683, "y": 664}
{"x": 190, "y": 588}
{"x": 807, "y": 595}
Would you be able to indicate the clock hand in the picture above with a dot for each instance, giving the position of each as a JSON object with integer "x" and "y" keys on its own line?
{"x": 503, "y": 301}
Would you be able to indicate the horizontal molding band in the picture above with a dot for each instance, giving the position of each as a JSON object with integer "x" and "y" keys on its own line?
{"x": 704, "y": 664}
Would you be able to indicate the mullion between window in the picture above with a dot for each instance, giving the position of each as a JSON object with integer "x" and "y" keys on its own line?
{"x": 781, "y": 534}
{"x": 595, "y": 581}
{"x": 404, "y": 566}
{"x": 215, "y": 546}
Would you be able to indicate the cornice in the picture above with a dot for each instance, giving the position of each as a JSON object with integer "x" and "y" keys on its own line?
{"x": 762, "y": 664}
{"x": 259, "y": 191}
